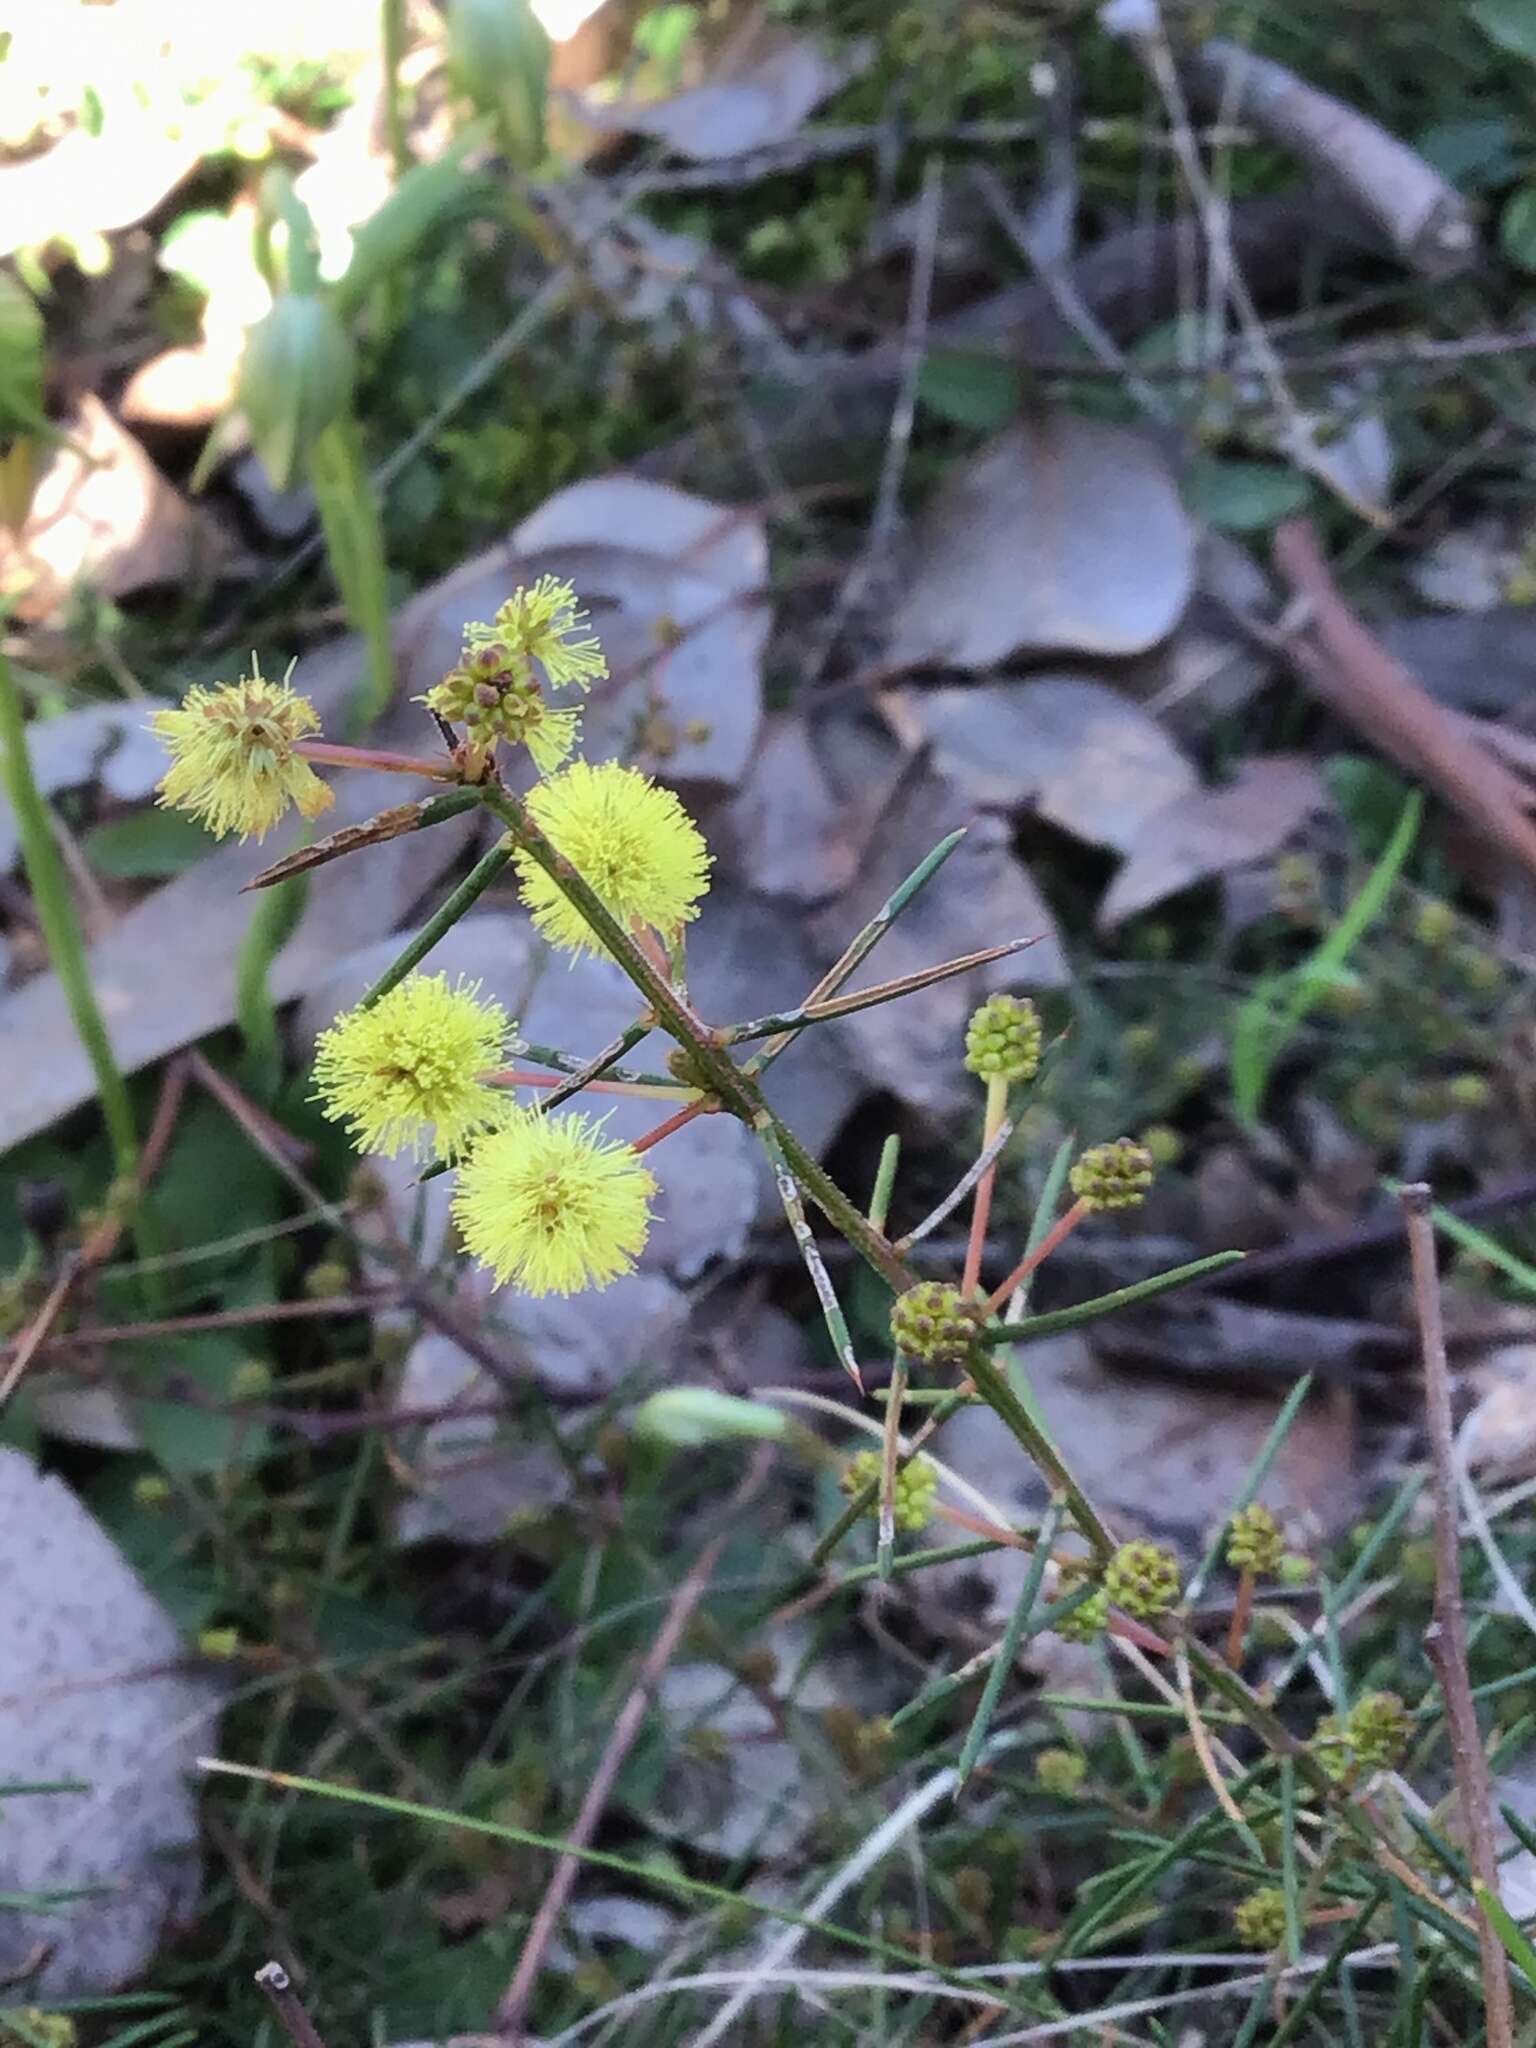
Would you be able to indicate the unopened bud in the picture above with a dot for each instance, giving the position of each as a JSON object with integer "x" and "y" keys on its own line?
{"x": 296, "y": 380}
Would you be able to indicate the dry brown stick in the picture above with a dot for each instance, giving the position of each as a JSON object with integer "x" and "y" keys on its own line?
{"x": 287, "y": 2007}
{"x": 514, "y": 2000}
{"x": 1423, "y": 216}
{"x": 1354, "y": 674}
{"x": 1445, "y": 1640}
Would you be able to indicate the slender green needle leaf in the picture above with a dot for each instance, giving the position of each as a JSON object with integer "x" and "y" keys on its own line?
{"x": 1055, "y": 1320}
{"x": 1517, "y": 1945}
{"x": 1002, "y": 1663}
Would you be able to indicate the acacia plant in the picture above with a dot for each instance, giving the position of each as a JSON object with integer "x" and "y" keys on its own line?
{"x": 610, "y": 862}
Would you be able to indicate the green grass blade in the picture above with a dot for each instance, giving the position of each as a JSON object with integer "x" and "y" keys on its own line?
{"x": 1002, "y": 1663}
{"x": 1517, "y": 1945}
{"x": 1277, "y": 1008}
{"x": 1258, "y": 1472}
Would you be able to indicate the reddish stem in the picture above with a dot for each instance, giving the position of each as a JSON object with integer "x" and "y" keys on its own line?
{"x": 1242, "y": 1607}
{"x": 1059, "y": 1232}
{"x": 673, "y": 1123}
{"x": 333, "y": 754}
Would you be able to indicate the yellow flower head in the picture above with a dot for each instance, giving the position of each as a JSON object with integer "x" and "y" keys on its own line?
{"x": 407, "y": 1069}
{"x": 551, "y": 1204}
{"x": 626, "y": 836}
{"x": 232, "y": 761}
{"x": 495, "y": 691}
{"x": 539, "y": 620}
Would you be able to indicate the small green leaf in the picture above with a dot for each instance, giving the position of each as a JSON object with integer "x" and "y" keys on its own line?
{"x": 150, "y": 846}
{"x": 1516, "y": 1942}
{"x": 970, "y": 390}
{"x": 1509, "y": 23}
{"x": 1243, "y": 497}
{"x": 686, "y": 1418}
{"x": 184, "y": 1434}
{"x": 1517, "y": 228}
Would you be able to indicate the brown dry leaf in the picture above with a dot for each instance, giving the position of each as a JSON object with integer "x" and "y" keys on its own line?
{"x": 1212, "y": 831}
{"x": 1071, "y": 749}
{"x": 1475, "y": 661}
{"x": 982, "y": 896}
{"x": 786, "y": 832}
{"x": 1499, "y": 1436}
{"x": 763, "y": 90}
{"x": 93, "y": 1687}
{"x": 1062, "y": 533}
{"x": 103, "y": 514}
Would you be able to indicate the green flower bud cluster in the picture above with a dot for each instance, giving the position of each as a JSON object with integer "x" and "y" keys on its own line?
{"x": 1003, "y": 1039}
{"x": 1060, "y": 1772}
{"x": 493, "y": 693}
{"x": 1143, "y": 1579}
{"x": 1113, "y": 1176}
{"x": 1259, "y": 1920}
{"x": 1374, "y": 1737}
{"x": 912, "y": 1496}
{"x": 934, "y": 1322}
{"x": 296, "y": 379}
{"x": 1254, "y": 1541}
{"x": 1087, "y": 1623}
{"x": 1380, "y": 1728}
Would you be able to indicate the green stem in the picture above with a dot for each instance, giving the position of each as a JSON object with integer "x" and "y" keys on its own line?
{"x": 354, "y": 540}
{"x": 274, "y": 917}
{"x": 393, "y": 30}
{"x": 61, "y": 929}
{"x": 442, "y": 920}
{"x": 737, "y": 1091}
{"x": 1010, "y": 1410}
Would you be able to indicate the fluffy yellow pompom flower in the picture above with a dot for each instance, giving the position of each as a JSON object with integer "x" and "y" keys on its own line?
{"x": 232, "y": 761}
{"x": 495, "y": 693}
{"x": 630, "y": 839}
{"x": 406, "y": 1071}
{"x": 551, "y": 1204}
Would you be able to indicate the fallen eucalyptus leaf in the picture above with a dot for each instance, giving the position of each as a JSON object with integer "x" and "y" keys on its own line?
{"x": 102, "y": 514}
{"x": 980, "y": 896}
{"x": 1075, "y": 751}
{"x": 92, "y": 1687}
{"x": 1211, "y": 831}
{"x": 1062, "y": 533}
{"x": 763, "y": 90}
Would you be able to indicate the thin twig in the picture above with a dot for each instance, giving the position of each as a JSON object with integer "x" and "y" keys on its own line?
{"x": 883, "y": 519}
{"x": 600, "y": 1062}
{"x": 957, "y": 1194}
{"x": 35, "y": 1335}
{"x": 287, "y": 2008}
{"x": 1061, "y": 1229}
{"x": 1445, "y": 1640}
{"x": 514, "y": 2001}
{"x": 981, "y": 1209}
